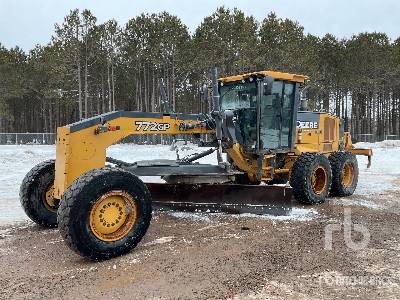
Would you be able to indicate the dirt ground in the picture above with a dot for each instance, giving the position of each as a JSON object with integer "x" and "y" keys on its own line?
{"x": 217, "y": 256}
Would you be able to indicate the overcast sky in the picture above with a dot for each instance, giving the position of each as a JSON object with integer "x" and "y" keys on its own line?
{"x": 29, "y": 22}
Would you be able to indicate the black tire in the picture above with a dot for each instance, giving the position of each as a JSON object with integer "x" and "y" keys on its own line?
{"x": 342, "y": 185}
{"x": 304, "y": 168}
{"x": 32, "y": 194}
{"x": 78, "y": 201}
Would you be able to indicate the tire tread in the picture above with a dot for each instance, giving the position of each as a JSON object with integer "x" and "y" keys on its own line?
{"x": 65, "y": 209}
{"x": 337, "y": 160}
{"x": 300, "y": 176}
{"x": 25, "y": 191}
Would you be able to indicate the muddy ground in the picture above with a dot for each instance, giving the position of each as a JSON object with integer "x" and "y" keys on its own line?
{"x": 218, "y": 256}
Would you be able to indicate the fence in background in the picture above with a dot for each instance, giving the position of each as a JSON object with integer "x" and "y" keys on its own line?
{"x": 27, "y": 138}
{"x": 50, "y": 139}
{"x": 361, "y": 137}
{"x": 373, "y": 138}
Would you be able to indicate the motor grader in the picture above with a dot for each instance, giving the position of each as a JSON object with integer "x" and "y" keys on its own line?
{"x": 103, "y": 208}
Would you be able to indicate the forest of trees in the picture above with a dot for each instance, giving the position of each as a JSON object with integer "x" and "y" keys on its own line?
{"x": 89, "y": 68}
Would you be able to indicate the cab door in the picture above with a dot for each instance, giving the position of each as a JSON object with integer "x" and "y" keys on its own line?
{"x": 276, "y": 117}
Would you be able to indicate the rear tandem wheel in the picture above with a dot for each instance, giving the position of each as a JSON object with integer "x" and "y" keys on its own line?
{"x": 344, "y": 173}
{"x": 311, "y": 178}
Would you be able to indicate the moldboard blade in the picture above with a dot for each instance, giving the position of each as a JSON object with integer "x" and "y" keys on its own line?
{"x": 230, "y": 198}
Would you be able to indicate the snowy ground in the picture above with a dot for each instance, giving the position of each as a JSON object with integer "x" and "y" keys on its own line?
{"x": 16, "y": 161}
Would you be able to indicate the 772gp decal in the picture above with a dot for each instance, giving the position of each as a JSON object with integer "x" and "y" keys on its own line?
{"x": 151, "y": 126}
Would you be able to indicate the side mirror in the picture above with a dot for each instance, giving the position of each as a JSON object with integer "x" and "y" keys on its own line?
{"x": 267, "y": 84}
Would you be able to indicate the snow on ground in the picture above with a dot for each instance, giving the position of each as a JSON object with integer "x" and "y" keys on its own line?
{"x": 383, "y": 173}
{"x": 16, "y": 161}
{"x": 296, "y": 213}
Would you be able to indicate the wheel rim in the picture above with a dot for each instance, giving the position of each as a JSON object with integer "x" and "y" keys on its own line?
{"x": 113, "y": 216}
{"x": 49, "y": 200}
{"x": 348, "y": 175}
{"x": 319, "y": 180}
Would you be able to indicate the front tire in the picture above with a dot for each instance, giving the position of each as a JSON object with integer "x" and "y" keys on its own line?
{"x": 104, "y": 213}
{"x": 311, "y": 178}
{"x": 344, "y": 174}
{"x": 36, "y": 194}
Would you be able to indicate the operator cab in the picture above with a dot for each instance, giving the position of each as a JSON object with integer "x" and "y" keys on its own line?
{"x": 264, "y": 105}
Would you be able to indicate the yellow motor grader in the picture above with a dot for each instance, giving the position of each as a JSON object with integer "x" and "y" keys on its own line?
{"x": 103, "y": 208}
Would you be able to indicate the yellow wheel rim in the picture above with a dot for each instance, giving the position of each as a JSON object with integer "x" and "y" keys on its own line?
{"x": 113, "y": 216}
{"x": 49, "y": 198}
{"x": 319, "y": 180}
{"x": 348, "y": 175}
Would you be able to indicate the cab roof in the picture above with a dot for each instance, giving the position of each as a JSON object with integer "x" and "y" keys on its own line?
{"x": 274, "y": 74}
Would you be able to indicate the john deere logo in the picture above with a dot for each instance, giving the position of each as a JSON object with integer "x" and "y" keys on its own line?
{"x": 307, "y": 125}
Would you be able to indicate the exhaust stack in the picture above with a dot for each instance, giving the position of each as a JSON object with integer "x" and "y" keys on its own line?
{"x": 216, "y": 113}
